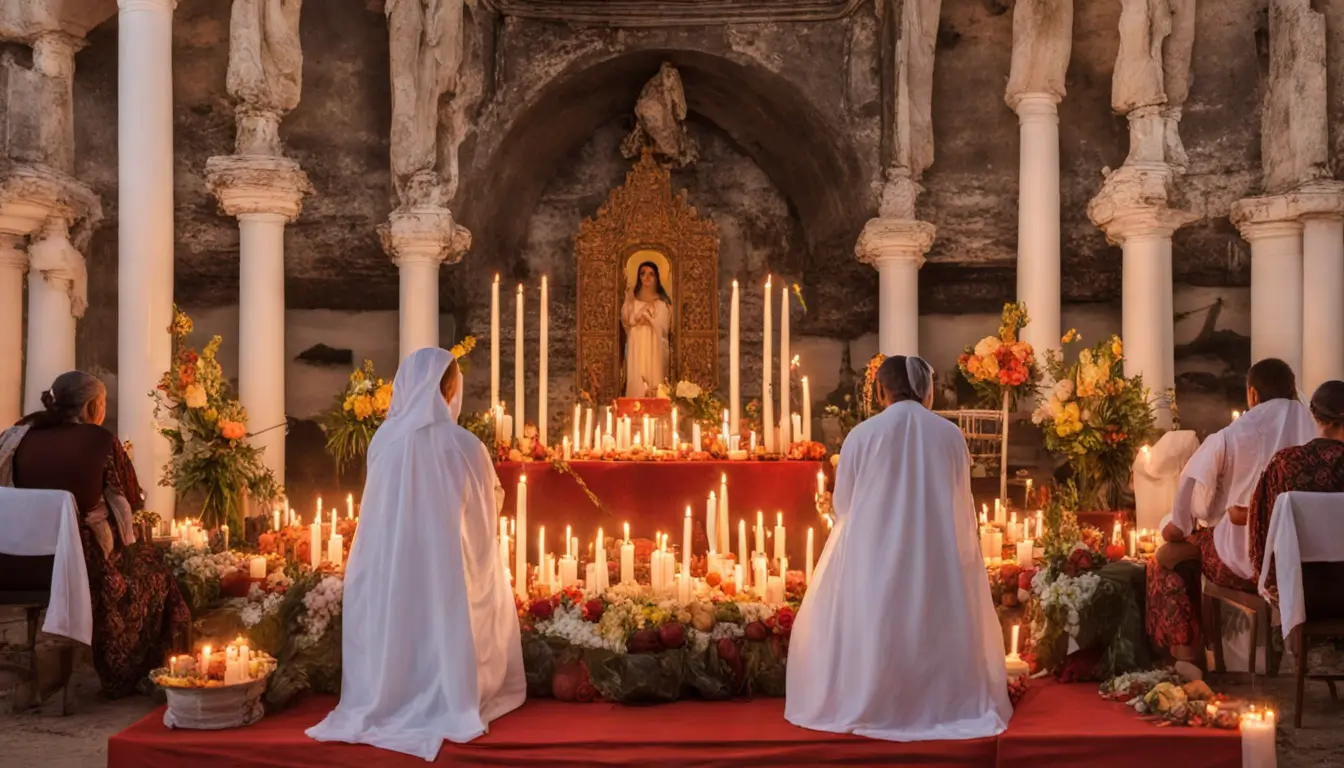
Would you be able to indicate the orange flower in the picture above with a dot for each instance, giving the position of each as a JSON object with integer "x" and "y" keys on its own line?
{"x": 231, "y": 430}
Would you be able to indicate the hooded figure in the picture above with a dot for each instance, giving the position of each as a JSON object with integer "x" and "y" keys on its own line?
{"x": 430, "y": 641}
{"x": 897, "y": 638}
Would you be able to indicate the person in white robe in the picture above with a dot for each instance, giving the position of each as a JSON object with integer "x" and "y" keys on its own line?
{"x": 1214, "y": 491}
{"x": 430, "y": 640}
{"x": 647, "y": 317}
{"x": 897, "y": 637}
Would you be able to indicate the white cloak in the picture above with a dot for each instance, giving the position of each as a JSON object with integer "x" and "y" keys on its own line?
{"x": 1224, "y": 471}
{"x": 430, "y": 641}
{"x": 897, "y": 637}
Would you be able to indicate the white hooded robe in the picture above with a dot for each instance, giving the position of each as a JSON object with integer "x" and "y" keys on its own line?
{"x": 430, "y": 640}
{"x": 897, "y": 637}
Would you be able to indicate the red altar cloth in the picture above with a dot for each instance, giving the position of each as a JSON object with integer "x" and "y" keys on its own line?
{"x": 1055, "y": 725}
{"x": 637, "y": 407}
{"x": 652, "y": 496}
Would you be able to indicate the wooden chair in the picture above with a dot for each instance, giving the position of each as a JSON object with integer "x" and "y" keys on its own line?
{"x": 25, "y": 582}
{"x": 1323, "y": 596}
{"x": 1255, "y": 608}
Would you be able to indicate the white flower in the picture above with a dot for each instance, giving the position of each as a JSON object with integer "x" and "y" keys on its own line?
{"x": 688, "y": 390}
{"x": 1063, "y": 390}
{"x": 988, "y": 346}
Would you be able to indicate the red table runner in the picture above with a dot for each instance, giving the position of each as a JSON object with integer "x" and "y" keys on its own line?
{"x": 652, "y": 496}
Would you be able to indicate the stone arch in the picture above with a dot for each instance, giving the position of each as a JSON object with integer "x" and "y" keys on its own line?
{"x": 807, "y": 155}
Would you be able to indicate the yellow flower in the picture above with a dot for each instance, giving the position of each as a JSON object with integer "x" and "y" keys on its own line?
{"x": 211, "y": 415}
{"x": 363, "y": 407}
{"x": 990, "y": 365}
{"x": 987, "y": 346}
{"x": 349, "y": 403}
{"x": 1070, "y": 420}
{"x": 975, "y": 367}
{"x": 1071, "y": 337}
{"x": 382, "y": 399}
{"x": 195, "y": 396}
{"x": 1088, "y": 377}
{"x": 1117, "y": 347}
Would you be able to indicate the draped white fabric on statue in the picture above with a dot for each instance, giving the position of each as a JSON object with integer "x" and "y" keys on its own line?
{"x": 646, "y": 326}
{"x": 897, "y": 637}
{"x": 430, "y": 641}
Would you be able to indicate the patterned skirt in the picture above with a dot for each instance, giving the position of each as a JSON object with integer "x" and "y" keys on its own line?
{"x": 1173, "y": 606}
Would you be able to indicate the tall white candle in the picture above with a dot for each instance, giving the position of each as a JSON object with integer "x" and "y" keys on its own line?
{"x": 349, "y": 506}
{"x": 277, "y": 523}
{"x": 780, "y": 553}
{"x": 785, "y": 422}
{"x": 587, "y": 427}
{"x": 760, "y": 532}
{"x": 336, "y": 549}
{"x": 767, "y": 360}
{"x": 520, "y": 550}
{"x": 711, "y": 521}
{"x": 224, "y": 530}
{"x": 627, "y": 558}
{"x": 686, "y": 544}
{"x": 577, "y": 427}
{"x": 742, "y": 561}
{"x": 541, "y": 553}
{"x": 315, "y": 543}
{"x": 543, "y": 370}
{"x": 734, "y": 366}
{"x": 569, "y": 547}
{"x": 807, "y": 565}
{"x": 724, "y": 542}
{"x": 601, "y": 559}
{"x": 695, "y": 436}
{"x": 519, "y": 406}
{"x": 494, "y": 341}
{"x": 569, "y": 571}
{"x": 807, "y": 412}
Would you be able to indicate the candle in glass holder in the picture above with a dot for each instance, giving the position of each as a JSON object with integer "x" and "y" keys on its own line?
{"x": 1016, "y": 666}
{"x": 205, "y": 662}
{"x": 256, "y": 567}
{"x": 1257, "y": 740}
{"x": 627, "y": 558}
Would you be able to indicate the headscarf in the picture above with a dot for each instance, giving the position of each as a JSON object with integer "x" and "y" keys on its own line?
{"x": 417, "y": 400}
{"x": 920, "y": 375}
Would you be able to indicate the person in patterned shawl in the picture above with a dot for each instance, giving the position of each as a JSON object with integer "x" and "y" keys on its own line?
{"x": 1317, "y": 467}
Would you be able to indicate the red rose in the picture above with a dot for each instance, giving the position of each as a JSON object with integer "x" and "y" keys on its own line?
{"x": 784, "y": 621}
{"x": 1008, "y": 573}
{"x": 756, "y": 631}
{"x": 541, "y": 609}
{"x": 1024, "y": 578}
{"x": 727, "y": 649}
{"x": 593, "y": 609}
{"x": 585, "y": 692}
{"x": 672, "y": 635}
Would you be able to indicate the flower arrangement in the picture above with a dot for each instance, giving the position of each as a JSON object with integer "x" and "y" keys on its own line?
{"x": 207, "y": 430}
{"x": 359, "y": 410}
{"x": 461, "y": 350}
{"x": 1097, "y": 419}
{"x": 1002, "y": 367}
{"x": 695, "y": 402}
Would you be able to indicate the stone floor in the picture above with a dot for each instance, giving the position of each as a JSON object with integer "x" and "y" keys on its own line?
{"x": 44, "y": 738}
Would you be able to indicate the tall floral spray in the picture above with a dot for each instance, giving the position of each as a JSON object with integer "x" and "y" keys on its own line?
{"x": 207, "y": 430}
{"x": 1096, "y": 419}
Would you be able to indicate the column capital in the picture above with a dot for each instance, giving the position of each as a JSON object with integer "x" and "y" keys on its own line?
{"x": 12, "y": 254}
{"x": 247, "y": 184}
{"x": 424, "y": 234}
{"x": 1034, "y": 106}
{"x": 885, "y": 239}
{"x": 54, "y": 53}
{"x": 1133, "y": 204}
{"x": 32, "y": 194}
{"x": 55, "y": 258}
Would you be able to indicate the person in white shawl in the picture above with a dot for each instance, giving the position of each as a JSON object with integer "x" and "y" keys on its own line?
{"x": 430, "y": 642}
{"x": 897, "y": 638}
{"x": 1213, "y": 493}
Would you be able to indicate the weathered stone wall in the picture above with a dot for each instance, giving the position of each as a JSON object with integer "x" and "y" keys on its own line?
{"x": 788, "y": 117}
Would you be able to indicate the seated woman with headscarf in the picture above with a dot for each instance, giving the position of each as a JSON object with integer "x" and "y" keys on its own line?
{"x": 137, "y": 608}
{"x": 897, "y": 637}
{"x": 430, "y": 641}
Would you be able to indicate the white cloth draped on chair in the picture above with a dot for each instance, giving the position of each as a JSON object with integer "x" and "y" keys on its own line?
{"x": 1304, "y": 528}
{"x": 35, "y": 523}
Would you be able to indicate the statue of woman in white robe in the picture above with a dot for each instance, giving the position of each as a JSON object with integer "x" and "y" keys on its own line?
{"x": 647, "y": 317}
{"x": 897, "y": 638}
{"x": 430, "y": 640}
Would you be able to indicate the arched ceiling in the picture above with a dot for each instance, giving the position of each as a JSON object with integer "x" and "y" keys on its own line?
{"x": 810, "y": 160}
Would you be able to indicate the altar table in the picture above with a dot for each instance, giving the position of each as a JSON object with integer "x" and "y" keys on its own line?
{"x": 652, "y": 496}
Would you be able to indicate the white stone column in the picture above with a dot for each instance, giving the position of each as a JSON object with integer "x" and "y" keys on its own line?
{"x": 1322, "y": 301}
{"x": 145, "y": 231}
{"x": 896, "y": 248}
{"x": 1038, "y": 218}
{"x": 56, "y": 298}
{"x": 1276, "y": 290}
{"x": 265, "y": 193}
{"x": 418, "y": 240}
{"x": 13, "y": 262}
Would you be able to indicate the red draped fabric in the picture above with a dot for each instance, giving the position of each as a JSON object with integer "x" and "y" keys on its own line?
{"x": 653, "y": 496}
{"x": 1055, "y": 725}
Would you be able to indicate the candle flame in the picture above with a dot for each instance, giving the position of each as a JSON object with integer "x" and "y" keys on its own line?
{"x": 779, "y": 519}
{"x": 768, "y": 278}
{"x": 496, "y": 277}
{"x": 520, "y": 289}
{"x": 734, "y": 284}
{"x": 522, "y": 479}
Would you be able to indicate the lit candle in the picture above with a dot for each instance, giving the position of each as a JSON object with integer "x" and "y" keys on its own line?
{"x": 779, "y": 537}
{"x": 644, "y": 430}
{"x": 1257, "y": 740}
{"x": 494, "y": 342}
{"x": 1040, "y": 522}
{"x": 1236, "y": 415}
{"x": 821, "y": 483}
{"x": 686, "y": 544}
{"x": 724, "y": 429}
{"x": 541, "y": 553}
{"x": 759, "y": 571}
{"x": 807, "y": 412}
{"x": 1024, "y": 553}
{"x": 676, "y": 444}
{"x": 1133, "y": 547}
{"x": 543, "y": 367}
{"x": 1115, "y": 534}
{"x": 807, "y": 566}
{"x": 785, "y": 421}
{"x": 734, "y": 362}
{"x": 600, "y": 568}
{"x": 753, "y": 442}
{"x": 696, "y": 445}
{"x": 587, "y": 426}
{"x": 256, "y": 568}
{"x": 627, "y": 559}
{"x": 760, "y": 532}
{"x": 205, "y": 661}
{"x": 608, "y": 432}
{"x": 336, "y": 549}
{"x": 569, "y": 571}
{"x": 984, "y": 514}
{"x": 277, "y": 522}
{"x": 1016, "y": 666}
{"x": 520, "y": 550}
{"x": 577, "y": 428}
{"x": 315, "y": 542}
{"x": 767, "y": 360}
{"x": 1026, "y": 499}
{"x": 519, "y": 407}
{"x": 224, "y": 529}
{"x": 569, "y": 548}
{"x": 504, "y": 545}
{"x": 711, "y": 524}
{"x": 725, "y": 544}
{"x": 998, "y": 510}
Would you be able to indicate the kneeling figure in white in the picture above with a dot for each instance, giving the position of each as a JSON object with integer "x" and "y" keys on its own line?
{"x": 897, "y": 638}
{"x": 430, "y": 644}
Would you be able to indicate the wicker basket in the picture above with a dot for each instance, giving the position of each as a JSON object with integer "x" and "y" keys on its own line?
{"x": 213, "y": 709}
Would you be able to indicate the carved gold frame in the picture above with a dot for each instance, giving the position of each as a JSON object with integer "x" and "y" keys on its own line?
{"x": 644, "y": 214}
